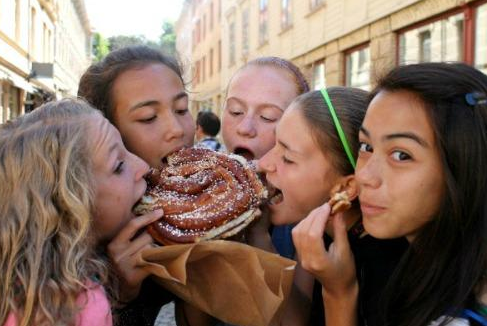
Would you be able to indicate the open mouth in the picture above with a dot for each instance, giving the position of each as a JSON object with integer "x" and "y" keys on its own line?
{"x": 244, "y": 152}
{"x": 164, "y": 161}
{"x": 275, "y": 196}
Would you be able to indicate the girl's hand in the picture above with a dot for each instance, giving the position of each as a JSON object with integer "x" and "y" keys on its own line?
{"x": 335, "y": 267}
{"x": 124, "y": 251}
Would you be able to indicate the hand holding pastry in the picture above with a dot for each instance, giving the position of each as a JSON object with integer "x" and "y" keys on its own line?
{"x": 335, "y": 267}
{"x": 124, "y": 251}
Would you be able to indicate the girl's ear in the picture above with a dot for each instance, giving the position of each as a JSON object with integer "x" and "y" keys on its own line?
{"x": 346, "y": 183}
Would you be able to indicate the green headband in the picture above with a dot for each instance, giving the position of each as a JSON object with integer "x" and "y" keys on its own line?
{"x": 338, "y": 126}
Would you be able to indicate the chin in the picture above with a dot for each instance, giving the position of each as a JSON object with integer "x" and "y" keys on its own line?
{"x": 278, "y": 217}
{"x": 376, "y": 232}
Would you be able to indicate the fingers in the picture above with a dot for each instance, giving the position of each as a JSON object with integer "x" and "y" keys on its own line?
{"x": 137, "y": 223}
{"x": 308, "y": 239}
{"x": 340, "y": 234}
{"x": 318, "y": 223}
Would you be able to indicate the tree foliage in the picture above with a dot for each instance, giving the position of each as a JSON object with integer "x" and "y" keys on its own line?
{"x": 100, "y": 46}
{"x": 166, "y": 42}
{"x": 121, "y": 41}
{"x": 167, "y": 39}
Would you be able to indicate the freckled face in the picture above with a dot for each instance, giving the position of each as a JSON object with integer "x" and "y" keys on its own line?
{"x": 399, "y": 169}
{"x": 256, "y": 100}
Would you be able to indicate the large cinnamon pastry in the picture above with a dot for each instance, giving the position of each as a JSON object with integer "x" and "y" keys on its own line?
{"x": 204, "y": 194}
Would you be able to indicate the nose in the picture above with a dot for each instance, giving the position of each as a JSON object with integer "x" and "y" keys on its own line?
{"x": 140, "y": 166}
{"x": 246, "y": 127}
{"x": 367, "y": 173}
{"x": 173, "y": 128}
{"x": 267, "y": 163}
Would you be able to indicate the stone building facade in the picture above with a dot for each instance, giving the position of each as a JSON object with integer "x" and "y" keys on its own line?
{"x": 45, "y": 45}
{"x": 348, "y": 42}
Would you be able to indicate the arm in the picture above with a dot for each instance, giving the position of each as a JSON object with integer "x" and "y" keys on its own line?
{"x": 334, "y": 268}
{"x": 124, "y": 251}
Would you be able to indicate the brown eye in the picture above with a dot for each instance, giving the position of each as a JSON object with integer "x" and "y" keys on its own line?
{"x": 401, "y": 156}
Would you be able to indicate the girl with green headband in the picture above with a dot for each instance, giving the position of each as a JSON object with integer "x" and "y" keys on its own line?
{"x": 313, "y": 158}
{"x": 421, "y": 174}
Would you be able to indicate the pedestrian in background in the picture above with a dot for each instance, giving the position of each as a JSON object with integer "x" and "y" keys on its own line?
{"x": 207, "y": 128}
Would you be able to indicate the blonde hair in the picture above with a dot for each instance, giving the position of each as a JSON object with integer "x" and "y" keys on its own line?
{"x": 47, "y": 249}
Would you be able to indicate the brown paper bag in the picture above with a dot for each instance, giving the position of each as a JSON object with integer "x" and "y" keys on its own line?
{"x": 231, "y": 281}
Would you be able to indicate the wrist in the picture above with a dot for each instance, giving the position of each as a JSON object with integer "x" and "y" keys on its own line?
{"x": 341, "y": 307}
{"x": 347, "y": 293}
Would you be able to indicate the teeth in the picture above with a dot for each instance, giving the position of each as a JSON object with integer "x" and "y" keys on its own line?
{"x": 276, "y": 199}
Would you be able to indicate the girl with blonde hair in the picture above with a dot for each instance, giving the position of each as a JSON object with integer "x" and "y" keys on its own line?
{"x": 54, "y": 164}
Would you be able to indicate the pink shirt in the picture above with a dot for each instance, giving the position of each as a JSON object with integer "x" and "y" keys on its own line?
{"x": 96, "y": 309}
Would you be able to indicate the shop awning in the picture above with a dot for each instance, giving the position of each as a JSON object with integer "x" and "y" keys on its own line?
{"x": 16, "y": 80}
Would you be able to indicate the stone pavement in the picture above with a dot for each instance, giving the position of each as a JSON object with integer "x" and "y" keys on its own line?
{"x": 166, "y": 316}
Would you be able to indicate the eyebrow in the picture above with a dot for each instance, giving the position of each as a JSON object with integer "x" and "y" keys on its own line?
{"x": 179, "y": 96}
{"x": 407, "y": 135}
{"x": 270, "y": 105}
{"x": 261, "y": 105}
{"x": 175, "y": 98}
{"x": 287, "y": 147}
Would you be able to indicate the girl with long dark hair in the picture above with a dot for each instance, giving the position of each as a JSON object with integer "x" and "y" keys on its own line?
{"x": 422, "y": 175}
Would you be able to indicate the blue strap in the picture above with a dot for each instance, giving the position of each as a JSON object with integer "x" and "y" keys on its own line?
{"x": 470, "y": 314}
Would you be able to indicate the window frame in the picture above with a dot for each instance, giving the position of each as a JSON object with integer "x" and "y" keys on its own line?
{"x": 263, "y": 20}
{"x": 348, "y": 52}
{"x": 469, "y": 11}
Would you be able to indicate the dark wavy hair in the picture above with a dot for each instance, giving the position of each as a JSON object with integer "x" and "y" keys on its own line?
{"x": 447, "y": 261}
{"x": 96, "y": 83}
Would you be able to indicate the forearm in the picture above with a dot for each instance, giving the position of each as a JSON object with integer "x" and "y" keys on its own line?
{"x": 341, "y": 309}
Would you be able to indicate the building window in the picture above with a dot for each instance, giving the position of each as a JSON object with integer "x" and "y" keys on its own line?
{"x": 286, "y": 18}
{"x": 212, "y": 9}
{"x": 203, "y": 65}
{"x": 425, "y": 46}
{"x": 17, "y": 20}
{"x": 318, "y": 75}
{"x": 245, "y": 32}
{"x": 231, "y": 42}
{"x": 198, "y": 31}
{"x": 438, "y": 41}
{"x": 211, "y": 62}
{"x": 204, "y": 27}
{"x": 313, "y": 4}
{"x": 197, "y": 77}
{"x": 263, "y": 21}
{"x": 33, "y": 37}
{"x": 13, "y": 110}
{"x": 45, "y": 43}
{"x": 358, "y": 68}
{"x": 481, "y": 39}
{"x": 219, "y": 55}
